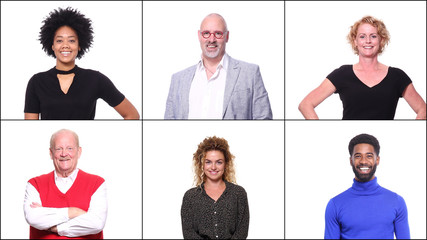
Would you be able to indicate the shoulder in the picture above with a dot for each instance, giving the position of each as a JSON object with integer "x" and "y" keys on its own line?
{"x": 93, "y": 177}
{"x": 344, "y": 69}
{"x": 42, "y": 179}
{"x": 390, "y": 194}
{"x": 242, "y": 64}
{"x": 89, "y": 72}
{"x": 42, "y": 76}
{"x": 236, "y": 189}
{"x": 185, "y": 71}
{"x": 397, "y": 71}
{"x": 342, "y": 196}
{"x": 192, "y": 193}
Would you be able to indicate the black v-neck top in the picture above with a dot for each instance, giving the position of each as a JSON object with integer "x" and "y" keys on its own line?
{"x": 362, "y": 102}
{"x": 44, "y": 94}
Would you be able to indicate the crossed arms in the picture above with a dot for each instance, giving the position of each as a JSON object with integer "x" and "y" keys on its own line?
{"x": 71, "y": 221}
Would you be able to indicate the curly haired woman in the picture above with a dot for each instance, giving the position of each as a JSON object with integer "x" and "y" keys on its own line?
{"x": 67, "y": 91}
{"x": 216, "y": 208}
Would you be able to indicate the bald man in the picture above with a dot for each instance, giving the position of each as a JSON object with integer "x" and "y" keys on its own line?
{"x": 218, "y": 86}
{"x": 66, "y": 202}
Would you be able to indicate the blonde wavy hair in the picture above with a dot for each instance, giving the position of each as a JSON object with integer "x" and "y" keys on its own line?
{"x": 378, "y": 24}
{"x": 210, "y": 144}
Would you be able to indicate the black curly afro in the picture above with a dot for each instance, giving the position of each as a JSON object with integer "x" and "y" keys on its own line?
{"x": 66, "y": 17}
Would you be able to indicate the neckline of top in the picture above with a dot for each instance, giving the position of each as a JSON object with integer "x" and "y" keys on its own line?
{"x": 73, "y": 70}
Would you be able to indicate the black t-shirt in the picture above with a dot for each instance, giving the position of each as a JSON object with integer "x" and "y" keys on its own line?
{"x": 44, "y": 94}
{"x": 363, "y": 102}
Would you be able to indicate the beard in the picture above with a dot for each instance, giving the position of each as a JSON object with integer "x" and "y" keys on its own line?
{"x": 212, "y": 54}
{"x": 364, "y": 177}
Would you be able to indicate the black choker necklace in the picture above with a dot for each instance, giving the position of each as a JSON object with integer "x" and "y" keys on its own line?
{"x": 57, "y": 71}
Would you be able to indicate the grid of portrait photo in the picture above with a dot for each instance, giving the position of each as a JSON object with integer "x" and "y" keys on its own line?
{"x": 213, "y": 119}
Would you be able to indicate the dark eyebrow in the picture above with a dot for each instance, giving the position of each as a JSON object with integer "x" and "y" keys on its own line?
{"x": 62, "y": 36}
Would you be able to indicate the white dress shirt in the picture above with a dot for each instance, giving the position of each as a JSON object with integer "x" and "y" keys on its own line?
{"x": 206, "y": 97}
{"x": 42, "y": 218}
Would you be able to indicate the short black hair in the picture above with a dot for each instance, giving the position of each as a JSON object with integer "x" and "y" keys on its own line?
{"x": 364, "y": 138}
{"x": 71, "y": 18}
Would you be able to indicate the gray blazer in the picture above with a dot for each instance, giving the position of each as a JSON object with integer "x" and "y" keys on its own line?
{"x": 244, "y": 98}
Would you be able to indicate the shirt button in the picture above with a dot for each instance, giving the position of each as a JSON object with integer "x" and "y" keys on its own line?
{"x": 216, "y": 236}
{"x": 214, "y": 212}
{"x": 216, "y": 224}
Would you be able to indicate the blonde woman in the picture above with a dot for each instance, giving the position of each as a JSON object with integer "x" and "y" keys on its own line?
{"x": 216, "y": 208}
{"x": 368, "y": 89}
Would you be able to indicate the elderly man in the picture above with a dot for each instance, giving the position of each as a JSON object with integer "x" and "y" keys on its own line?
{"x": 66, "y": 202}
{"x": 218, "y": 87}
{"x": 366, "y": 210}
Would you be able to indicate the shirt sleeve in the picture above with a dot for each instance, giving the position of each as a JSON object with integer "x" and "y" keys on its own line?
{"x": 261, "y": 102}
{"x": 401, "y": 225}
{"x": 187, "y": 219}
{"x": 403, "y": 81}
{"x": 108, "y": 92}
{"x": 337, "y": 75}
{"x": 332, "y": 226}
{"x": 41, "y": 218}
{"x": 91, "y": 222}
{"x": 243, "y": 217}
{"x": 32, "y": 102}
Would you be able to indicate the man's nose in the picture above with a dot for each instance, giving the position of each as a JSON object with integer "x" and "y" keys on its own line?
{"x": 212, "y": 37}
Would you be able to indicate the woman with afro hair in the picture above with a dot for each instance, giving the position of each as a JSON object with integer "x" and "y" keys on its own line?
{"x": 67, "y": 91}
{"x": 216, "y": 207}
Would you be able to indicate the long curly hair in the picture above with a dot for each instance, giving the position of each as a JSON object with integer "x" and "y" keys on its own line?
{"x": 71, "y": 18}
{"x": 210, "y": 144}
{"x": 378, "y": 24}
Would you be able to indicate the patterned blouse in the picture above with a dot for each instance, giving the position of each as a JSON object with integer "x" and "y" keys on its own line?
{"x": 227, "y": 218}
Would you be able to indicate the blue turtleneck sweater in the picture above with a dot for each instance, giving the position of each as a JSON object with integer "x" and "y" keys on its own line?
{"x": 366, "y": 210}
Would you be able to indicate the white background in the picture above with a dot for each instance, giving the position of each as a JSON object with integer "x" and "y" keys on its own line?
{"x": 115, "y": 52}
{"x": 316, "y": 44}
{"x": 171, "y": 44}
{"x": 318, "y": 168}
{"x": 167, "y": 172}
{"x": 110, "y": 149}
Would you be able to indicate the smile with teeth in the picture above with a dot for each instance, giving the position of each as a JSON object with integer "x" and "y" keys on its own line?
{"x": 213, "y": 172}
{"x": 364, "y": 169}
{"x": 368, "y": 47}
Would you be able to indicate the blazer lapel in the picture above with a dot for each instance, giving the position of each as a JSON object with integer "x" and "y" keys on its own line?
{"x": 186, "y": 85}
{"x": 232, "y": 75}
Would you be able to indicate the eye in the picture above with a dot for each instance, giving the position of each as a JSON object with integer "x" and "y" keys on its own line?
{"x": 72, "y": 40}
{"x": 58, "y": 41}
{"x": 70, "y": 149}
{"x": 218, "y": 34}
{"x": 374, "y": 36}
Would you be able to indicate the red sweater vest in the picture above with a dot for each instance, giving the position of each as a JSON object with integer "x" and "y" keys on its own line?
{"x": 79, "y": 195}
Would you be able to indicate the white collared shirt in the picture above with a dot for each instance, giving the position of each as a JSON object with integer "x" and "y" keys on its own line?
{"x": 206, "y": 97}
{"x": 43, "y": 218}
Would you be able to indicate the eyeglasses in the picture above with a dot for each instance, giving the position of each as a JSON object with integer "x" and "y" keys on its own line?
{"x": 67, "y": 149}
{"x": 217, "y": 34}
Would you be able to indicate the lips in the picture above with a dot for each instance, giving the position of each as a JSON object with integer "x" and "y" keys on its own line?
{"x": 211, "y": 46}
{"x": 66, "y": 53}
{"x": 368, "y": 47}
{"x": 213, "y": 172}
{"x": 364, "y": 169}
